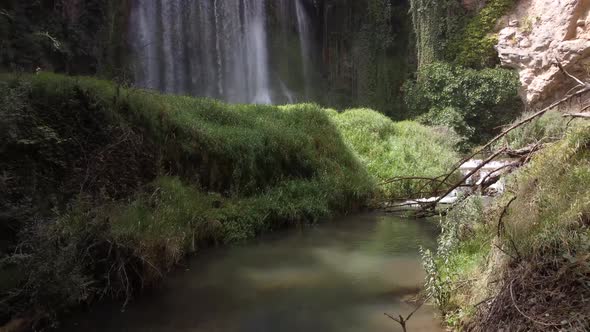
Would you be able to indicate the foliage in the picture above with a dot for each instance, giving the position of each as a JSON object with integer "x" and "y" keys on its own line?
{"x": 446, "y": 32}
{"x": 68, "y": 36}
{"x": 435, "y": 23}
{"x": 161, "y": 175}
{"x": 366, "y": 55}
{"x": 403, "y": 149}
{"x": 553, "y": 195}
{"x": 460, "y": 249}
{"x": 473, "y": 102}
{"x": 53, "y": 267}
{"x": 474, "y": 47}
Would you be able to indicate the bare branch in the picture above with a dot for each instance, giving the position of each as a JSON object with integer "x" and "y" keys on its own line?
{"x": 473, "y": 171}
{"x": 566, "y": 73}
{"x": 503, "y": 214}
{"x": 6, "y": 14}
{"x": 513, "y": 127}
{"x": 525, "y": 315}
{"x": 585, "y": 115}
{"x": 56, "y": 43}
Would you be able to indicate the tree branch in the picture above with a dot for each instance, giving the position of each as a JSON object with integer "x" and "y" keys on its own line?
{"x": 473, "y": 171}
{"x": 566, "y": 73}
{"x": 585, "y": 115}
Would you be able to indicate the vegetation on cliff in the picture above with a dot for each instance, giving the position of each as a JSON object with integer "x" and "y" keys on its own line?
{"x": 446, "y": 31}
{"x": 75, "y": 37}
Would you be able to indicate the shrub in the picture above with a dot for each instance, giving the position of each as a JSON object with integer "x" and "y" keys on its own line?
{"x": 461, "y": 247}
{"x": 475, "y": 103}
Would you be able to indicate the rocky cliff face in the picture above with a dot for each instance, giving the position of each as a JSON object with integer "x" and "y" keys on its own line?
{"x": 537, "y": 34}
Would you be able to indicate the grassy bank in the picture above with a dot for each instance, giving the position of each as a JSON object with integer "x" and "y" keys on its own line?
{"x": 522, "y": 262}
{"x": 397, "y": 149}
{"x": 106, "y": 188}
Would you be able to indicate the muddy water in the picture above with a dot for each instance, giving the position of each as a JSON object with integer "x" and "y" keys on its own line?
{"x": 339, "y": 276}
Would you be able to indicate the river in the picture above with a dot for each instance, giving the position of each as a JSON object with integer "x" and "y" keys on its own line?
{"x": 338, "y": 276}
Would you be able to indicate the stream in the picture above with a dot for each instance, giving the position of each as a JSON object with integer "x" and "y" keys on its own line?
{"x": 339, "y": 276}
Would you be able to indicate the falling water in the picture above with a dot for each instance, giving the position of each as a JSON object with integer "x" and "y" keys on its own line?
{"x": 303, "y": 27}
{"x": 215, "y": 48}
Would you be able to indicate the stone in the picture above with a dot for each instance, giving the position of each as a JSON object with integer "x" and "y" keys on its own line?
{"x": 560, "y": 33}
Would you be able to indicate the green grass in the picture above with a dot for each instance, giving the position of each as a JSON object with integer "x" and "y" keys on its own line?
{"x": 550, "y": 127}
{"x": 255, "y": 146}
{"x": 397, "y": 149}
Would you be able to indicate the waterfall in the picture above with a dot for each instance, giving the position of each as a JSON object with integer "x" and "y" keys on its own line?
{"x": 214, "y": 48}
{"x": 303, "y": 28}
{"x": 221, "y": 48}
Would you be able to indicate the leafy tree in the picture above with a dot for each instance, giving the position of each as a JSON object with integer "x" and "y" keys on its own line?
{"x": 474, "y": 102}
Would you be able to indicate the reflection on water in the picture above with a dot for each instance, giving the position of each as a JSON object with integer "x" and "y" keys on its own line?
{"x": 339, "y": 276}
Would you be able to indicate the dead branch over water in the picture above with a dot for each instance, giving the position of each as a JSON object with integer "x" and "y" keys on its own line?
{"x": 442, "y": 184}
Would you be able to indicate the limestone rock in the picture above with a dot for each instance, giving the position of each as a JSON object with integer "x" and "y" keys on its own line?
{"x": 539, "y": 32}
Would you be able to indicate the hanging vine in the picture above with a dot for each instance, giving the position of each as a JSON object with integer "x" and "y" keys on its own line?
{"x": 434, "y": 22}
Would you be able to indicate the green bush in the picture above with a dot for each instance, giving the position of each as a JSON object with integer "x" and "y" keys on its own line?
{"x": 473, "y": 102}
{"x": 462, "y": 245}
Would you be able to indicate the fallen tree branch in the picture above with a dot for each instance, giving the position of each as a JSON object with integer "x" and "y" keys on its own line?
{"x": 585, "y": 115}
{"x": 473, "y": 171}
{"x": 523, "y": 152}
{"x": 409, "y": 178}
{"x": 530, "y": 118}
{"x": 495, "y": 175}
{"x": 566, "y": 73}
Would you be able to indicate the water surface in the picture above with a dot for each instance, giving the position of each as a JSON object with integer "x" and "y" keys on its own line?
{"x": 339, "y": 276}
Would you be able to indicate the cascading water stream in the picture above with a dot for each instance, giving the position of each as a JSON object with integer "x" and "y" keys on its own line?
{"x": 303, "y": 27}
{"x": 214, "y": 48}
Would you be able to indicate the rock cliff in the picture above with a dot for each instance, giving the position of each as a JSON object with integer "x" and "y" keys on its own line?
{"x": 538, "y": 33}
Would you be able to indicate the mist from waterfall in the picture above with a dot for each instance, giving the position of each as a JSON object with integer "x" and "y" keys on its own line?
{"x": 212, "y": 48}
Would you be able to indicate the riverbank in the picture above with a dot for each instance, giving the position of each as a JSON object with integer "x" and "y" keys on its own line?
{"x": 523, "y": 261}
{"x": 108, "y": 188}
